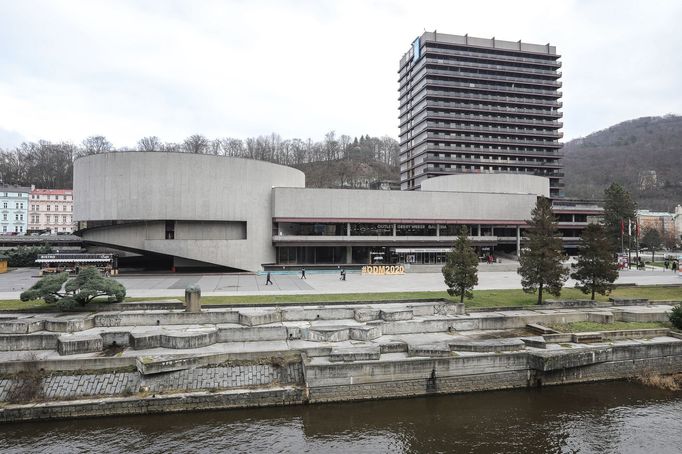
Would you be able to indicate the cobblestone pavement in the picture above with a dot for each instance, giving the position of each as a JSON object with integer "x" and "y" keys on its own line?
{"x": 55, "y": 387}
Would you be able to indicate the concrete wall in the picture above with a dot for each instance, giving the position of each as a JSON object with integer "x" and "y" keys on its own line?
{"x": 298, "y": 203}
{"x": 485, "y": 182}
{"x": 153, "y": 187}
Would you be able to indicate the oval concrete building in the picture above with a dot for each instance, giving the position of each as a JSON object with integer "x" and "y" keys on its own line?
{"x": 197, "y": 209}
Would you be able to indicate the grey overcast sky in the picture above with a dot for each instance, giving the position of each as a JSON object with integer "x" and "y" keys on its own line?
{"x": 127, "y": 69}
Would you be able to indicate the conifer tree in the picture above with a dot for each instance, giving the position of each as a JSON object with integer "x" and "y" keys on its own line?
{"x": 541, "y": 268}
{"x": 460, "y": 271}
{"x": 596, "y": 270}
{"x": 619, "y": 208}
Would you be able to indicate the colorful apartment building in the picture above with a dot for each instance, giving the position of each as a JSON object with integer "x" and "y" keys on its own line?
{"x": 13, "y": 209}
{"x": 51, "y": 210}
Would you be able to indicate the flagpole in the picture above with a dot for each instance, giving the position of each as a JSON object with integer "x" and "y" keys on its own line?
{"x": 629, "y": 243}
{"x": 637, "y": 240}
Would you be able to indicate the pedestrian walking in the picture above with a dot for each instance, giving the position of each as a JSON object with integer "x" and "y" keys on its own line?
{"x": 267, "y": 279}
{"x": 302, "y": 273}
{"x": 666, "y": 263}
{"x": 675, "y": 266}
{"x": 343, "y": 275}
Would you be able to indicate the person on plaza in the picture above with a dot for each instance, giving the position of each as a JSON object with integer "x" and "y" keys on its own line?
{"x": 675, "y": 266}
{"x": 302, "y": 273}
{"x": 267, "y": 279}
{"x": 343, "y": 275}
{"x": 666, "y": 263}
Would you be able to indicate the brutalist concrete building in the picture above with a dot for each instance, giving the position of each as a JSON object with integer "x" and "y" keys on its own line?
{"x": 476, "y": 105}
{"x": 198, "y": 211}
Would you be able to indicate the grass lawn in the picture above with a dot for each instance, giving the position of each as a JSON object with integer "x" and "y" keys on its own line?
{"x": 482, "y": 298}
{"x": 580, "y": 327}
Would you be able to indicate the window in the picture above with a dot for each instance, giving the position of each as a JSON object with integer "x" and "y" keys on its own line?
{"x": 48, "y": 208}
{"x": 4, "y": 216}
{"x": 64, "y": 219}
{"x": 16, "y": 217}
{"x": 48, "y": 219}
{"x": 4, "y": 205}
{"x": 4, "y": 229}
{"x": 63, "y": 207}
{"x": 21, "y": 217}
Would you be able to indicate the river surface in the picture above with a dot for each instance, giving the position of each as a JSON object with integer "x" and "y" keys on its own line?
{"x": 612, "y": 417}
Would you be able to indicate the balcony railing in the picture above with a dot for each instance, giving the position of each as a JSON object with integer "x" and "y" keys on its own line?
{"x": 440, "y": 170}
{"x": 495, "y": 129}
{"x": 421, "y": 68}
{"x": 481, "y": 97}
{"x": 420, "y": 150}
{"x": 493, "y": 162}
{"x": 491, "y": 56}
{"x": 478, "y": 108}
{"x": 465, "y": 138}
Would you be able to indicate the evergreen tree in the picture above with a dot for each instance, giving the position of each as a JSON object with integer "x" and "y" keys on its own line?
{"x": 540, "y": 261}
{"x": 618, "y": 209}
{"x": 460, "y": 271}
{"x": 596, "y": 269}
{"x": 652, "y": 239}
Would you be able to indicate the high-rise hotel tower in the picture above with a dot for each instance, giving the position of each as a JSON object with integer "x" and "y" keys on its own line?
{"x": 476, "y": 105}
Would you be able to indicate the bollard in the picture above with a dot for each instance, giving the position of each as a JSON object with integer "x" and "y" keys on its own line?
{"x": 193, "y": 299}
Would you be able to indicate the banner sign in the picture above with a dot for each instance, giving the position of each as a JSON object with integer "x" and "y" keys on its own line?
{"x": 383, "y": 269}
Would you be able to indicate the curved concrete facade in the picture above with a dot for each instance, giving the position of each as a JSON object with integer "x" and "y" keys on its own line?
{"x": 220, "y": 208}
{"x": 489, "y": 182}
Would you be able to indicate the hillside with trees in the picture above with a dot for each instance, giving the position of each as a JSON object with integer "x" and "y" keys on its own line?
{"x": 643, "y": 155}
{"x": 336, "y": 161}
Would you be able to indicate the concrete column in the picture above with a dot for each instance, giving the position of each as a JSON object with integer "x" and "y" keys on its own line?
{"x": 349, "y": 254}
{"x": 348, "y": 229}
{"x": 518, "y": 241}
{"x": 437, "y": 230}
{"x": 479, "y": 229}
{"x": 394, "y": 230}
{"x": 193, "y": 299}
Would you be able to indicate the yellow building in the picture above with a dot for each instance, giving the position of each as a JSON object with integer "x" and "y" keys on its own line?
{"x": 3, "y": 263}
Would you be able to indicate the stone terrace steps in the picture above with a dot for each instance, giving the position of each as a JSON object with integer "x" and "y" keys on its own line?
{"x": 73, "y": 334}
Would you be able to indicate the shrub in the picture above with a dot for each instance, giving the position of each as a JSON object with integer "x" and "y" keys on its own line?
{"x": 676, "y": 316}
{"x": 78, "y": 291}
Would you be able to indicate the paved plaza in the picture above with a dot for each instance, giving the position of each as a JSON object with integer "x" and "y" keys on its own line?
{"x": 161, "y": 285}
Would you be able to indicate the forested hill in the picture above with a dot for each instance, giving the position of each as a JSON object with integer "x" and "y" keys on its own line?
{"x": 336, "y": 161}
{"x": 629, "y": 153}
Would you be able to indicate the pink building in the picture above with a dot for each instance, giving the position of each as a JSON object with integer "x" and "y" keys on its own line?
{"x": 50, "y": 210}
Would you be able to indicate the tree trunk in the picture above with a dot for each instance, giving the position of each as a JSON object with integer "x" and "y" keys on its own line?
{"x": 461, "y": 297}
{"x": 540, "y": 295}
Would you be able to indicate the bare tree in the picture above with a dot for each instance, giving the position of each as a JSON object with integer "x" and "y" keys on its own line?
{"x": 232, "y": 147}
{"x": 96, "y": 144}
{"x": 149, "y": 143}
{"x": 196, "y": 144}
{"x": 172, "y": 147}
{"x": 331, "y": 146}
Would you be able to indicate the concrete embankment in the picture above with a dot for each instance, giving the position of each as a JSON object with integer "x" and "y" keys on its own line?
{"x": 137, "y": 362}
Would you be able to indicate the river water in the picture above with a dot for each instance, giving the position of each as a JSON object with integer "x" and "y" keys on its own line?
{"x": 612, "y": 417}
